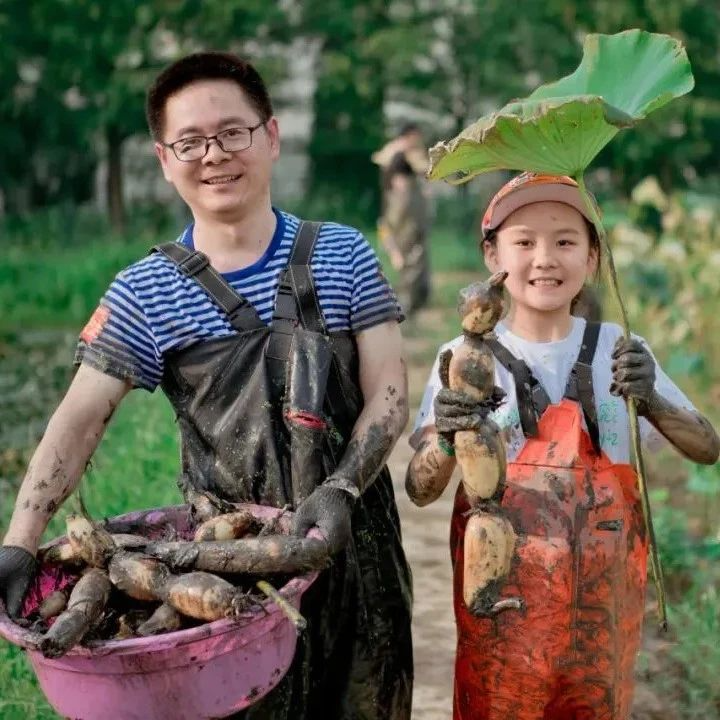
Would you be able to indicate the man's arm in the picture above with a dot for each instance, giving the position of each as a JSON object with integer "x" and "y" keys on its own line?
{"x": 383, "y": 381}
{"x": 59, "y": 461}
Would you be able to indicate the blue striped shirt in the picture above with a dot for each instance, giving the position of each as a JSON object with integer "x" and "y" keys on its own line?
{"x": 151, "y": 308}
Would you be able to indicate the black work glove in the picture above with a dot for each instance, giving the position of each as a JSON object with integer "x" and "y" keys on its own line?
{"x": 633, "y": 370}
{"x": 330, "y": 510}
{"x": 455, "y": 410}
{"x": 17, "y": 571}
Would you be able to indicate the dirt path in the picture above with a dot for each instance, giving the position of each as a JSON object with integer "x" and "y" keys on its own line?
{"x": 425, "y": 537}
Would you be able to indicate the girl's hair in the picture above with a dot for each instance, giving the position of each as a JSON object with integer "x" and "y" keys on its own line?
{"x": 491, "y": 238}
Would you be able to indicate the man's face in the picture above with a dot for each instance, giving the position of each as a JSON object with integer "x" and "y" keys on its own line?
{"x": 223, "y": 185}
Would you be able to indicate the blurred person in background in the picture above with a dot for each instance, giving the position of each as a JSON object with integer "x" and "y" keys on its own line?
{"x": 405, "y": 223}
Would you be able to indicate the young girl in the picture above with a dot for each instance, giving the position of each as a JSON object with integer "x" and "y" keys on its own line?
{"x": 567, "y": 650}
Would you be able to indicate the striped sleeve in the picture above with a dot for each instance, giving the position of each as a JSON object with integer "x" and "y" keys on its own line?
{"x": 373, "y": 301}
{"x": 119, "y": 341}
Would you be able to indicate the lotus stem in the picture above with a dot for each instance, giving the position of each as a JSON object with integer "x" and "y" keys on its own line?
{"x": 631, "y": 407}
{"x": 283, "y": 605}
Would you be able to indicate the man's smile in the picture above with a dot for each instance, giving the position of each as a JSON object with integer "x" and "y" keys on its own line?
{"x": 221, "y": 179}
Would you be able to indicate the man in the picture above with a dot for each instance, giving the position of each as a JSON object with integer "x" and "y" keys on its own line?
{"x": 404, "y": 226}
{"x": 252, "y": 356}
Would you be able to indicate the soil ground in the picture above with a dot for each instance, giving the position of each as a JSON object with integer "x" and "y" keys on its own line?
{"x": 425, "y": 538}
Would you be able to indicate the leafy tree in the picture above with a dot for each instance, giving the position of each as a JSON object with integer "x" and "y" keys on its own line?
{"x": 348, "y": 101}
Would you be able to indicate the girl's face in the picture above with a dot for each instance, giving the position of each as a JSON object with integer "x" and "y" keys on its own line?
{"x": 545, "y": 248}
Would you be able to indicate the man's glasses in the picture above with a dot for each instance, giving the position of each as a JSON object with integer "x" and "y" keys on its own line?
{"x": 230, "y": 140}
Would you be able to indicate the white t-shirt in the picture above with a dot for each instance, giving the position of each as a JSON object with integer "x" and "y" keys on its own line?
{"x": 550, "y": 363}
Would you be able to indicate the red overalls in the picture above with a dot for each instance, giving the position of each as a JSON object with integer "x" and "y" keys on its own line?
{"x": 580, "y": 568}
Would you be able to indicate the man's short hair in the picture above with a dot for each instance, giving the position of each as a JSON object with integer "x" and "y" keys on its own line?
{"x": 204, "y": 66}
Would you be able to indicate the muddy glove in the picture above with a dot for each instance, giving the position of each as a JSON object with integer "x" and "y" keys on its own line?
{"x": 455, "y": 410}
{"x": 329, "y": 508}
{"x": 633, "y": 370}
{"x": 17, "y": 571}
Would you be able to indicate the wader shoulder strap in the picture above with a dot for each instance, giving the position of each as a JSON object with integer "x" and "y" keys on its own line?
{"x": 532, "y": 399}
{"x": 580, "y": 385}
{"x": 296, "y": 299}
{"x": 297, "y": 303}
{"x": 195, "y": 265}
{"x": 298, "y": 277}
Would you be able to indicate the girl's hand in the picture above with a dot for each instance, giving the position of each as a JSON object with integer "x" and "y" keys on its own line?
{"x": 456, "y": 410}
{"x": 633, "y": 370}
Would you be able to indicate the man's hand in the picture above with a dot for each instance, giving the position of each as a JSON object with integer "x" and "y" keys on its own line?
{"x": 17, "y": 571}
{"x": 330, "y": 510}
{"x": 633, "y": 370}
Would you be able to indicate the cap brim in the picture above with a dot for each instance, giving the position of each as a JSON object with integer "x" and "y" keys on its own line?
{"x": 547, "y": 192}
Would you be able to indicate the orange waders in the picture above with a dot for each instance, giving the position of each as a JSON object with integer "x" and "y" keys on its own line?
{"x": 579, "y": 567}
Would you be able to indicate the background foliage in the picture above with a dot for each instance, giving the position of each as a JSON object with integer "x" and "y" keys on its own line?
{"x": 73, "y": 75}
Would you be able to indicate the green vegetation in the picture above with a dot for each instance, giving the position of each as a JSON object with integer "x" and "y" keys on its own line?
{"x": 667, "y": 256}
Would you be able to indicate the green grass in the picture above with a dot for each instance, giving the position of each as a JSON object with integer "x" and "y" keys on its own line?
{"x": 697, "y": 654}
{"x": 20, "y": 694}
{"x": 58, "y": 286}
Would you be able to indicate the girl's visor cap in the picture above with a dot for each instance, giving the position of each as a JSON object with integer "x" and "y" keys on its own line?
{"x": 530, "y": 188}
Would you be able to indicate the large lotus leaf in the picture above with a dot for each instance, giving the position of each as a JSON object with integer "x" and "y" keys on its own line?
{"x": 526, "y": 135}
{"x": 634, "y": 71}
{"x": 562, "y": 126}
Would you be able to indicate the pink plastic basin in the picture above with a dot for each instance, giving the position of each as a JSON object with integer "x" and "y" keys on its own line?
{"x": 208, "y": 671}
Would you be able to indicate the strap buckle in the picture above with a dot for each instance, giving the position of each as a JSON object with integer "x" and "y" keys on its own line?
{"x": 539, "y": 398}
{"x": 285, "y": 305}
{"x": 237, "y": 312}
{"x": 193, "y": 264}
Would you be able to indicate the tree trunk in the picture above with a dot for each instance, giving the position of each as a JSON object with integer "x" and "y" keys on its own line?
{"x": 114, "y": 186}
